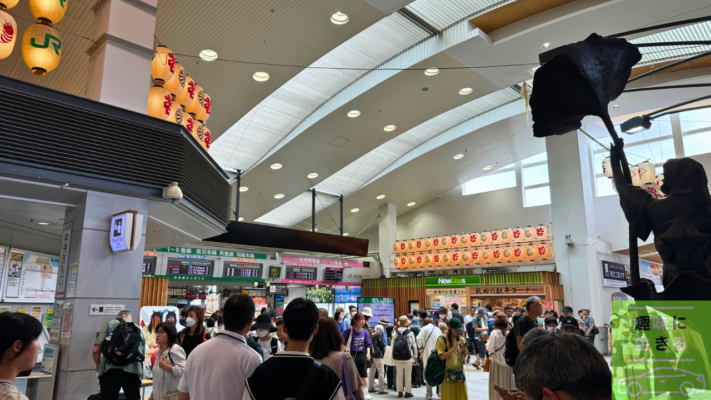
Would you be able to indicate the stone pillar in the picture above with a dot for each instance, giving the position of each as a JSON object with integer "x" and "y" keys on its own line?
{"x": 387, "y": 231}
{"x": 572, "y": 211}
{"x": 120, "y": 59}
{"x": 103, "y": 277}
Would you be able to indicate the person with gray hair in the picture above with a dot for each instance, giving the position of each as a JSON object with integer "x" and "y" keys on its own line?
{"x": 379, "y": 345}
{"x": 557, "y": 366}
{"x": 124, "y": 314}
{"x": 532, "y": 335}
{"x": 527, "y": 322}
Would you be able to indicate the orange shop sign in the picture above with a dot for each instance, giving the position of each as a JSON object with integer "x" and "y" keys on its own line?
{"x": 507, "y": 291}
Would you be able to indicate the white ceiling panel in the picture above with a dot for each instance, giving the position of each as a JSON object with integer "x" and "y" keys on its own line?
{"x": 441, "y": 14}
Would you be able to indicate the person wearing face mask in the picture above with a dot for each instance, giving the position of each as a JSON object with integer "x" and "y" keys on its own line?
{"x": 443, "y": 315}
{"x": 19, "y": 347}
{"x": 551, "y": 325}
{"x": 270, "y": 345}
{"x": 351, "y": 313}
{"x": 195, "y": 333}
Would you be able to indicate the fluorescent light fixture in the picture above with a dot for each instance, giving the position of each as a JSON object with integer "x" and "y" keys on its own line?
{"x": 410, "y": 204}
{"x": 339, "y": 18}
{"x": 261, "y": 76}
{"x": 43, "y": 223}
{"x": 312, "y": 175}
{"x": 431, "y": 71}
{"x": 465, "y": 91}
{"x": 546, "y": 45}
{"x": 355, "y": 210}
{"x": 208, "y": 55}
{"x": 636, "y": 124}
{"x": 353, "y": 113}
{"x": 240, "y": 219}
{"x": 389, "y": 128}
{"x": 488, "y": 167}
{"x": 243, "y": 189}
{"x": 382, "y": 196}
{"x": 346, "y": 233}
{"x": 276, "y": 166}
{"x": 279, "y": 196}
{"x": 459, "y": 156}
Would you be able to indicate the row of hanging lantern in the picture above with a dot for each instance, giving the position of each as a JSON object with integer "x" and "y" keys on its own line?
{"x": 41, "y": 43}
{"x": 176, "y": 97}
{"x": 486, "y": 238}
{"x": 644, "y": 175}
{"x": 458, "y": 258}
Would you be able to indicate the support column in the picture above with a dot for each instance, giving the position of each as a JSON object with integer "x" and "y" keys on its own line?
{"x": 573, "y": 214}
{"x": 103, "y": 277}
{"x": 387, "y": 232}
{"x": 120, "y": 59}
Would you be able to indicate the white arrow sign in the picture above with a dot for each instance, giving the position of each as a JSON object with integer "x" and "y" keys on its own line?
{"x": 106, "y": 309}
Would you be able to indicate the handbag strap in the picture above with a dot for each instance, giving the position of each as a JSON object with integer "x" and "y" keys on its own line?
{"x": 348, "y": 345}
{"x": 301, "y": 395}
{"x": 346, "y": 375}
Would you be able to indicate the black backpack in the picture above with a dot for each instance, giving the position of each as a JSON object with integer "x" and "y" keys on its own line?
{"x": 121, "y": 345}
{"x": 511, "y": 351}
{"x": 274, "y": 345}
{"x": 401, "y": 348}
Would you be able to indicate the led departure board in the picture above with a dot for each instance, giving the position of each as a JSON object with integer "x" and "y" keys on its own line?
{"x": 189, "y": 267}
{"x": 242, "y": 270}
{"x": 333, "y": 274}
{"x": 306, "y": 274}
{"x": 149, "y": 265}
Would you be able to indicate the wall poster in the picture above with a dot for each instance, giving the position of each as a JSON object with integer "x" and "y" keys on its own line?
{"x": 31, "y": 277}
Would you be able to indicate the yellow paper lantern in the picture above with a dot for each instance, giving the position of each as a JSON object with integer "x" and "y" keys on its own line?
{"x": 429, "y": 245}
{"x": 163, "y": 65}
{"x": 411, "y": 261}
{"x": 475, "y": 256}
{"x": 419, "y": 260}
{"x": 519, "y": 253}
{"x": 176, "y": 84}
{"x": 8, "y": 4}
{"x": 496, "y": 237}
{"x": 466, "y": 257}
{"x": 420, "y": 245}
{"x": 396, "y": 247}
{"x": 464, "y": 240}
{"x": 531, "y": 253}
{"x": 429, "y": 260}
{"x": 485, "y": 238}
{"x": 188, "y": 122}
{"x": 446, "y": 244}
{"x": 529, "y": 233}
{"x": 208, "y": 138}
{"x": 497, "y": 254}
{"x": 403, "y": 246}
{"x": 41, "y": 48}
{"x": 396, "y": 263}
{"x": 206, "y": 110}
{"x": 486, "y": 255}
{"x": 545, "y": 251}
{"x": 542, "y": 232}
{"x": 410, "y": 246}
{"x": 199, "y": 134}
{"x": 454, "y": 241}
{"x": 403, "y": 262}
{"x": 506, "y": 235}
{"x": 447, "y": 258}
{"x": 437, "y": 243}
{"x": 188, "y": 96}
{"x": 160, "y": 103}
{"x": 456, "y": 257}
{"x": 196, "y": 106}
{"x": 48, "y": 11}
{"x": 518, "y": 235}
{"x": 176, "y": 113}
{"x": 507, "y": 253}
{"x": 437, "y": 259}
{"x": 474, "y": 239}
{"x": 8, "y": 34}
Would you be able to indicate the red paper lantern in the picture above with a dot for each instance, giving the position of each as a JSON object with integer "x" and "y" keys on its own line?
{"x": 410, "y": 246}
{"x": 456, "y": 257}
{"x": 163, "y": 65}
{"x": 8, "y": 34}
{"x": 208, "y": 138}
{"x": 396, "y": 247}
{"x": 429, "y": 260}
{"x": 466, "y": 257}
{"x": 531, "y": 253}
{"x": 403, "y": 247}
{"x": 403, "y": 262}
{"x": 160, "y": 103}
{"x": 447, "y": 258}
{"x": 419, "y": 260}
{"x": 396, "y": 262}
{"x": 454, "y": 240}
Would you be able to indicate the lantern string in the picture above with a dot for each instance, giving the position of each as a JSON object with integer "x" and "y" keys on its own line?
{"x": 61, "y": 30}
{"x": 593, "y": 139}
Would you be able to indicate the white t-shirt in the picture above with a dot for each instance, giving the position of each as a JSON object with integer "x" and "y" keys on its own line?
{"x": 267, "y": 347}
{"x": 468, "y": 319}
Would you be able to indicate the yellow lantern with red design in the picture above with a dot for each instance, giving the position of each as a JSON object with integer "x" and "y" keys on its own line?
{"x": 542, "y": 232}
{"x": 420, "y": 260}
{"x": 176, "y": 84}
{"x": 199, "y": 134}
{"x": 437, "y": 243}
{"x": 456, "y": 257}
{"x": 188, "y": 96}
{"x": 518, "y": 235}
{"x": 454, "y": 241}
{"x": 437, "y": 259}
{"x": 8, "y": 34}
{"x": 475, "y": 256}
{"x": 529, "y": 233}
{"x": 208, "y": 138}
{"x": 507, "y": 253}
{"x": 485, "y": 238}
{"x": 519, "y": 254}
{"x": 420, "y": 245}
{"x": 545, "y": 251}
{"x": 497, "y": 254}
{"x": 206, "y": 110}
{"x": 396, "y": 247}
{"x": 160, "y": 103}
{"x": 506, "y": 235}
{"x": 464, "y": 240}
{"x": 466, "y": 257}
{"x": 403, "y": 246}
{"x": 446, "y": 243}
{"x": 410, "y": 246}
{"x": 163, "y": 65}
{"x": 411, "y": 260}
{"x": 196, "y": 106}
{"x": 176, "y": 113}
{"x": 429, "y": 246}
{"x": 403, "y": 262}
{"x": 429, "y": 260}
{"x": 48, "y": 12}
{"x": 486, "y": 256}
{"x": 396, "y": 263}
{"x": 474, "y": 239}
{"x": 496, "y": 237}
{"x": 41, "y": 48}
{"x": 531, "y": 252}
{"x": 189, "y": 123}
{"x": 447, "y": 258}
{"x": 8, "y": 4}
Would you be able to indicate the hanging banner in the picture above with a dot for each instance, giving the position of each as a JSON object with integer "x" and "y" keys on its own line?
{"x": 64, "y": 258}
{"x": 653, "y": 272}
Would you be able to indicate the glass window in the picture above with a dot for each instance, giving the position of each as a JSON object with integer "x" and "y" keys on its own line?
{"x": 537, "y": 196}
{"x": 693, "y": 120}
{"x": 535, "y": 175}
{"x": 697, "y": 143}
{"x": 535, "y": 159}
{"x": 489, "y": 183}
{"x": 603, "y": 186}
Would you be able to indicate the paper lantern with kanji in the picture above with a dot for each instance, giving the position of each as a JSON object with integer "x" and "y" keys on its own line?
{"x": 428, "y": 244}
{"x": 497, "y": 254}
{"x": 196, "y": 106}
{"x": 429, "y": 260}
{"x": 529, "y": 234}
{"x": 646, "y": 173}
{"x": 411, "y": 261}
{"x": 208, "y": 139}
{"x": 8, "y": 4}
{"x": 456, "y": 257}
{"x": 41, "y": 48}
{"x": 396, "y": 263}
{"x": 437, "y": 259}
{"x": 206, "y": 110}
{"x": 496, "y": 237}
{"x": 486, "y": 256}
{"x": 163, "y": 65}
{"x": 446, "y": 244}
{"x": 518, "y": 235}
{"x": 8, "y": 34}
{"x": 437, "y": 243}
{"x": 474, "y": 239}
{"x": 189, "y": 123}
{"x": 475, "y": 255}
{"x": 410, "y": 246}
{"x": 160, "y": 104}
{"x": 447, "y": 258}
{"x": 396, "y": 247}
{"x": 420, "y": 245}
{"x": 519, "y": 253}
{"x": 485, "y": 238}
{"x": 454, "y": 241}
{"x": 653, "y": 190}
{"x": 48, "y": 11}
{"x": 660, "y": 181}
{"x": 403, "y": 262}
{"x": 464, "y": 240}
{"x": 419, "y": 260}
{"x": 542, "y": 232}
{"x": 188, "y": 96}
{"x": 199, "y": 134}
{"x": 545, "y": 251}
{"x": 176, "y": 84}
{"x": 466, "y": 258}
{"x": 531, "y": 253}
{"x": 506, "y": 235}
{"x": 507, "y": 253}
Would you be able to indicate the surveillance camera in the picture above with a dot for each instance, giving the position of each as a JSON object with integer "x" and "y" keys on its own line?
{"x": 173, "y": 193}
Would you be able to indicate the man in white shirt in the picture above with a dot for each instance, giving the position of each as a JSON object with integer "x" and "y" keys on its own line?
{"x": 426, "y": 342}
{"x": 470, "y": 317}
{"x": 226, "y": 358}
{"x": 270, "y": 345}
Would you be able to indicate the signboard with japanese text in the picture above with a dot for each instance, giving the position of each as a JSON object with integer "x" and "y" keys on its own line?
{"x": 383, "y": 307}
{"x": 64, "y": 258}
{"x": 447, "y": 291}
{"x": 305, "y": 274}
{"x": 312, "y": 262}
{"x": 663, "y": 348}
{"x": 506, "y": 291}
{"x": 614, "y": 274}
{"x": 189, "y": 268}
{"x": 242, "y": 270}
{"x": 279, "y": 289}
{"x": 196, "y": 251}
{"x": 333, "y": 274}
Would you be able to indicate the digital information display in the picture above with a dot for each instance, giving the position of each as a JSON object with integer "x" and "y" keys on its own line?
{"x": 333, "y": 274}
{"x": 242, "y": 270}
{"x": 189, "y": 267}
{"x": 306, "y": 274}
{"x": 149, "y": 265}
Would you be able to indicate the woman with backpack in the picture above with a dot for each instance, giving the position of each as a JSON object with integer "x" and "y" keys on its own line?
{"x": 404, "y": 354}
{"x": 19, "y": 347}
{"x": 453, "y": 348}
{"x": 195, "y": 333}
{"x": 500, "y": 374}
{"x": 170, "y": 363}
{"x": 327, "y": 348}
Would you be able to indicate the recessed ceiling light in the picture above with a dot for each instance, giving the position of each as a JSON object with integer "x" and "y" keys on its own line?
{"x": 465, "y": 91}
{"x": 353, "y": 113}
{"x": 208, "y": 55}
{"x": 355, "y": 210}
{"x": 339, "y": 18}
{"x": 279, "y": 196}
{"x": 240, "y": 219}
{"x": 243, "y": 188}
{"x": 345, "y": 234}
{"x": 459, "y": 156}
{"x": 382, "y": 196}
{"x": 410, "y": 204}
{"x": 488, "y": 167}
{"x": 261, "y": 76}
{"x": 389, "y": 128}
{"x": 431, "y": 71}
{"x": 276, "y": 166}
{"x": 312, "y": 175}
{"x": 43, "y": 223}
{"x": 546, "y": 45}
{"x": 615, "y": 106}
